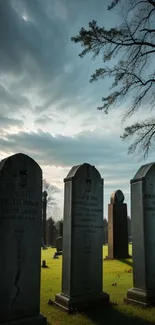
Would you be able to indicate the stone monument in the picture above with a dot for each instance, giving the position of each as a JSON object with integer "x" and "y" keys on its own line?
{"x": 82, "y": 271}
{"x": 44, "y": 215}
{"x": 143, "y": 236}
{"x": 117, "y": 227}
{"x": 58, "y": 245}
{"x": 20, "y": 234}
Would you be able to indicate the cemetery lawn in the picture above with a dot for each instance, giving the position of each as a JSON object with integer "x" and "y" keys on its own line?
{"x": 116, "y": 272}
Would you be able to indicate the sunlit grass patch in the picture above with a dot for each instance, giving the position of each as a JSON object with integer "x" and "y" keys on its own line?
{"x": 117, "y": 279}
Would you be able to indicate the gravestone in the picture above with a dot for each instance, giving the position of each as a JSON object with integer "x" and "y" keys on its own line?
{"x": 117, "y": 227}
{"x": 20, "y": 234}
{"x": 143, "y": 236}
{"x": 42, "y": 243}
{"x": 44, "y": 264}
{"x": 82, "y": 240}
{"x": 44, "y": 215}
{"x": 59, "y": 244}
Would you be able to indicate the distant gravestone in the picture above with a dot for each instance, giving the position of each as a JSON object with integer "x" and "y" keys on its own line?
{"x": 44, "y": 264}
{"x": 44, "y": 215}
{"x": 20, "y": 234}
{"x": 143, "y": 236}
{"x": 59, "y": 244}
{"x": 117, "y": 227}
{"x": 55, "y": 256}
{"x": 42, "y": 243}
{"x": 82, "y": 240}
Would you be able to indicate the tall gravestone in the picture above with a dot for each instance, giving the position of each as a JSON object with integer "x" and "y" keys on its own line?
{"x": 20, "y": 237}
{"x": 44, "y": 213}
{"x": 82, "y": 240}
{"x": 143, "y": 236}
{"x": 117, "y": 227}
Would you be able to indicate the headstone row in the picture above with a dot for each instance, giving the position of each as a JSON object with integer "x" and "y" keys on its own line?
{"x": 82, "y": 237}
{"x": 82, "y": 269}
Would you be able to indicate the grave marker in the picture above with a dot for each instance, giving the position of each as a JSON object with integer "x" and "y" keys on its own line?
{"x": 82, "y": 240}
{"x": 117, "y": 227}
{"x": 143, "y": 236}
{"x": 59, "y": 244}
{"x": 20, "y": 234}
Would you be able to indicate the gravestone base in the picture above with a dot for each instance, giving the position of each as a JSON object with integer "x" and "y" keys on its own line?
{"x": 58, "y": 253}
{"x": 140, "y": 297}
{"x": 81, "y": 302}
{"x": 117, "y": 257}
{"x": 33, "y": 320}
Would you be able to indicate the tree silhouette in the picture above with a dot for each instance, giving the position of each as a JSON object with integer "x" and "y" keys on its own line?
{"x": 132, "y": 45}
{"x": 50, "y": 189}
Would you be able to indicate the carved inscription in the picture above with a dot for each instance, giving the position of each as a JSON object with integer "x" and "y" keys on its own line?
{"x": 23, "y": 178}
{"x": 87, "y": 220}
{"x": 19, "y": 206}
{"x": 19, "y": 234}
{"x": 88, "y": 182}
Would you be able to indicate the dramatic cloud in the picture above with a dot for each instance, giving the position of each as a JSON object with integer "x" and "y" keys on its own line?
{"x": 8, "y": 122}
{"x": 39, "y": 64}
{"x": 47, "y": 105}
{"x": 67, "y": 151}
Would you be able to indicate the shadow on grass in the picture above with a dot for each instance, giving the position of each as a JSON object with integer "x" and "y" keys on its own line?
{"x": 111, "y": 316}
{"x": 125, "y": 261}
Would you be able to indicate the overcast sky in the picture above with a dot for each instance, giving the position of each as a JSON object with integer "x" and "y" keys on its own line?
{"x": 47, "y": 105}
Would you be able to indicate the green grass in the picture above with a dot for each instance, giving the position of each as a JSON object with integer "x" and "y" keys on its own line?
{"x": 121, "y": 313}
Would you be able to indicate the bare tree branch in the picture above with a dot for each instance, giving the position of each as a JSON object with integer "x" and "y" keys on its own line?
{"x": 146, "y": 134}
{"x": 132, "y": 44}
{"x": 152, "y": 2}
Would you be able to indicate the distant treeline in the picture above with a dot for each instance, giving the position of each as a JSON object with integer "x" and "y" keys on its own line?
{"x": 55, "y": 229}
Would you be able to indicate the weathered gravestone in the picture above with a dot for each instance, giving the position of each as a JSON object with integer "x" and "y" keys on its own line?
{"x": 20, "y": 234}
{"x": 117, "y": 226}
{"x": 58, "y": 245}
{"x": 82, "y": 240}
{"x": 143, "y": 236}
